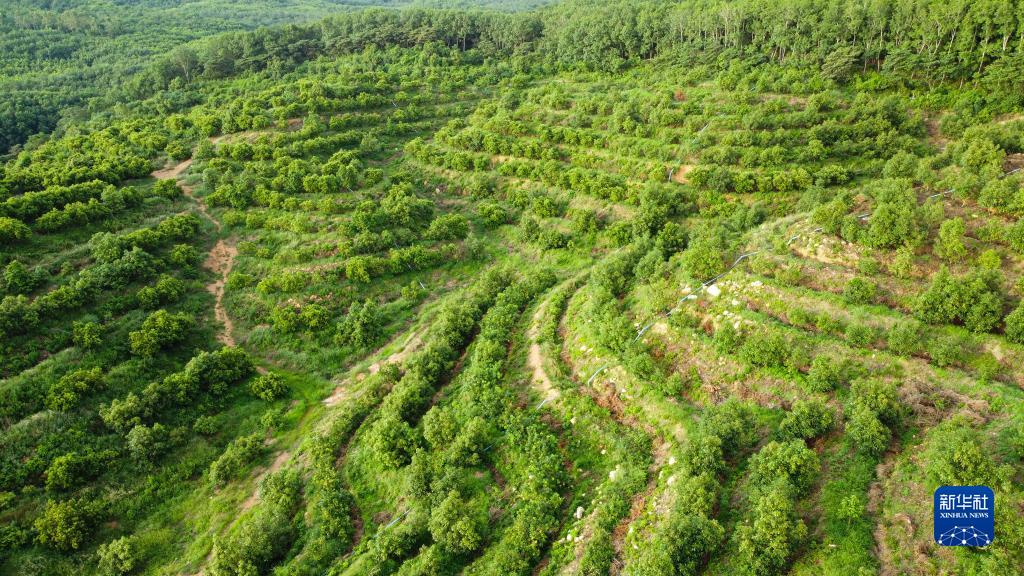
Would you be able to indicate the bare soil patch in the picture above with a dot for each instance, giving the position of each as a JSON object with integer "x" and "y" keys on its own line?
{"x": 935, "y": 137}
{"x": 679, "y": 174}
{"x": 221, "y": 256}
{"x": 412, "y": 343}
{"x": 276, "y": 465}
{"x": 1010, "y": 118}
{"x": 172, "y": 171}
{"x": 535, "y": 360}
{"x": 220, "y": 261}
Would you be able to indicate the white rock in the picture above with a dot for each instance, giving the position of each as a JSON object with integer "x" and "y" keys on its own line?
{"x": 714, "y": 290}
{"x": 671, "y": 460}
{"x": 579, "y": 512}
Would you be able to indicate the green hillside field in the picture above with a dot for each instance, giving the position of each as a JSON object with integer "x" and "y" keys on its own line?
{"x": 630, "y": 288}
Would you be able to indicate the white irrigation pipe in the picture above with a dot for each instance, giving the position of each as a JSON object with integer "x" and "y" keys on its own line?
{"x": 392, "y": 523}
{"x": 690, "y": 296}
{"x": 596, "y": 372}
{"x": 950, "y": 191}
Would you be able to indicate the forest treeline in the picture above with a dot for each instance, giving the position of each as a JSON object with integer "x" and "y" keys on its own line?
{"x": 912, "y": 41}
{"x": 928, "y": 41}
{"x": 60, "y": 59}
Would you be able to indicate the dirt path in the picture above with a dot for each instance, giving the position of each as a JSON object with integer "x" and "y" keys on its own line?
{"x": 411, "y": 344}
{"x": 679, "y": 174}
{"x": 173, "y": 171}
{"x": 219, "y": 261}
{"x": 276, "y": 465}
{"x": 535, "y": 359}
{"x": 221, "y": 258}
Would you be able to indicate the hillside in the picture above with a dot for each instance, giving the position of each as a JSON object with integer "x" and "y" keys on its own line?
{"x": 604, "y": 288}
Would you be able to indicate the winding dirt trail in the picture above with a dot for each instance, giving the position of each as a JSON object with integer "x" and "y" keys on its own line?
{"x": 606, "y": 396}
{"x": 535, "y": 358}
{"x": 412, "y": 342}
{"x": 276, "y": 465}
{"x": 219, "y": 261}
{"x": 221, "y": 258}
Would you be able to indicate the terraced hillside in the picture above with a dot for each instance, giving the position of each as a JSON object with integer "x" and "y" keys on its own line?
{"x": 417, "y": 311}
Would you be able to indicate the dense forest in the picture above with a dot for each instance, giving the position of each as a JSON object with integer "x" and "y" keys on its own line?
{"x": 497, "y": 288}
{"x": 68, "y": 59}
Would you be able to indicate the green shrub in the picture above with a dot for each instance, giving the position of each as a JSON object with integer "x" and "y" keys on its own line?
{"x": 866, "y": 432}
{"x": 862, "y": 335}
{"x": 703, "y": 260}
{"x": 448, "y": 227}
{"x": 1015, "y": 325}
{"x": 956, "y": 456}
{"x": 12, "y": 230}
{"x": 258, "y": 540}
{"x": 947, "y": 351}
{"x": 859, "y": 291}
{"x": 167, "y": 189}
{"x": 990, "y": 260}
{"x": 74, "y": 468}
{"x": 732, "y": 423}
{"x": 727, "y": 338}
{"x": 774, "y": 532}
{"x": 67, "y": 393}
{"x": 159, "y": 330}
{"x": 950, "y": 243}
{"x": 878, "y": 396}
{"x": 826, "y": 374}
{"x": 269, "y": 387}
{"x": 66, "y": 525}
{"x": 87, "y": 335}
{"x": 453, "y": 526}
{"x": 118, "y": 557}
{"x": 792, "y": 461}
{"x": 362, "y": 325}
{"x": 868, "y": 266}
{"x": 18, "y": 279}
{"x": 236, "y": 457}
{"x": 147, "y": 443}
{"x": 807, "y": 419}
{"x": 766, "y": 349}
{"x": 905, "y": 338}
{"x": 493, "y": 214}
{"x": 902, "y": 264}
{"x": 975, "y": 300}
